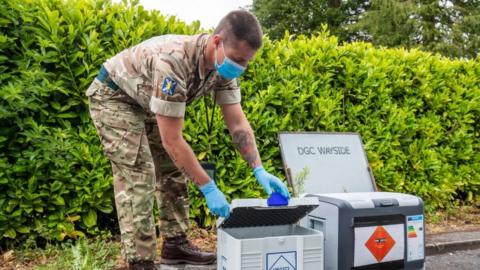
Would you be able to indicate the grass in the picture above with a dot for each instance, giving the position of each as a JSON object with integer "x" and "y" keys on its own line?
{"x": 101, "y": 252}
{"x": 84, "y": 254}
{"x": 459, "y": 218}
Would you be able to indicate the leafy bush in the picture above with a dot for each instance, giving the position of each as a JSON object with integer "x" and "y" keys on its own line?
{"x": 54, "y": 179}
{"x": 418, "y": 114}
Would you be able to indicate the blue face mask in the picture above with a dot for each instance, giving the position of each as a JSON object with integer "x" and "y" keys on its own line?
{"x": 228, "y": 69}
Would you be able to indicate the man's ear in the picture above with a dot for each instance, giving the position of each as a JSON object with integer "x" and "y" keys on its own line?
{"x": 216, "y": 40}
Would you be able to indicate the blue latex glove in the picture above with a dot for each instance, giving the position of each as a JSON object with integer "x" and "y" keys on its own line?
{"x": 269, "y": 182}
{"x": 216, "y": 201}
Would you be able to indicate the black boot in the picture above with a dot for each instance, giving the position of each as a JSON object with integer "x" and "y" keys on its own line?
{"x": 142, "y": 265}
{"x": 178, "y": 250}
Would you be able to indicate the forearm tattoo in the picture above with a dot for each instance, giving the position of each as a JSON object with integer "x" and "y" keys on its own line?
{"x": 245, "y": 144}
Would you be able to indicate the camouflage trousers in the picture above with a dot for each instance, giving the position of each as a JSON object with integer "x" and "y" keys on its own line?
{"x": 142, "y": 171}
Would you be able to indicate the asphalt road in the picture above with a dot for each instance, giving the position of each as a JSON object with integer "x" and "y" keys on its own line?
{"x": 459, "y": 260}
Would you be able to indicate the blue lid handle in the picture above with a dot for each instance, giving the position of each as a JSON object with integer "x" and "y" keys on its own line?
{"x": 276, "y": 199}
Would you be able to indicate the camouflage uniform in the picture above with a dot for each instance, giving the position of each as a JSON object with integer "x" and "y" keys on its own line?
{"x": 158, "y": 76}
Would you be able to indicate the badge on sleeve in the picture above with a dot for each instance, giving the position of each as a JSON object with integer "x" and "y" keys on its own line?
{"x": 169, "y": 86}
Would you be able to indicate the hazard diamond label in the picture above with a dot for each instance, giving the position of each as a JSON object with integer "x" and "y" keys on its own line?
{"x": 380, "y": 243}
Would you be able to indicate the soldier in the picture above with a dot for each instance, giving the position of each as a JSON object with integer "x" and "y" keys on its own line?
{"x": 137, "y": 103}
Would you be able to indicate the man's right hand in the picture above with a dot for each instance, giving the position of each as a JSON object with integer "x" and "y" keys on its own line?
{"x": 216, "y": 201}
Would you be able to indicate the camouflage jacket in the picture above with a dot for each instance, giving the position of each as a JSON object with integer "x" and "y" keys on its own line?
{"x": 165, "y": 73}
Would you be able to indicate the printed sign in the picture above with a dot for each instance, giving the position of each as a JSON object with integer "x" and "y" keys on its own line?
{"x": 376, "y": 244}
{"x": 415, "y": 238}
{"x": 326, "y": 162}
{"x": 282, "y": 261}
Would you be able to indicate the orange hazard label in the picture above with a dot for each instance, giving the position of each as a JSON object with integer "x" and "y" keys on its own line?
{"x": 380, "y": 243}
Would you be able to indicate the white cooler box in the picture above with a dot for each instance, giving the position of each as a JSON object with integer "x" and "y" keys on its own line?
{"x": 257, "y": 237}
{"x": 370, "y": 230}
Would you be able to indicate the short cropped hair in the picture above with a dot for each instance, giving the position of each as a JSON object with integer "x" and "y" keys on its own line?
{"x": 240, "y": 25}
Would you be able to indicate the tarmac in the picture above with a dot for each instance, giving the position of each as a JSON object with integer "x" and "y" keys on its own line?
{"x": 458, "y": 260}
{"x": 435, "y": 244}
{"x": 441, "y": 243}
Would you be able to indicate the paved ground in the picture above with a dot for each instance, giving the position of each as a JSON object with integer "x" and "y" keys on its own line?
{"x": 459, "y": 260}
{"x": 451, "y": 242}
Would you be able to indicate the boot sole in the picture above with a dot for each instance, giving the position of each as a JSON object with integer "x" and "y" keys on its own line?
{"x": 176, "y": 262}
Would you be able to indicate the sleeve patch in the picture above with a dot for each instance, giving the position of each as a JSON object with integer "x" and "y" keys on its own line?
{"x": 169, "y": 86}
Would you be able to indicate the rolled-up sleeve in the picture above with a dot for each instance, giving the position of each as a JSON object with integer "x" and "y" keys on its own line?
{"x": 228, "y": 92}
{"x": 169, "y": 93}
{"x": 167, "y": 108}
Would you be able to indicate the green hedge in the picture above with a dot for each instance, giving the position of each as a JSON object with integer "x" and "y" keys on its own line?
{"x": 54, "y": 179}
{"x": 418, "y": 114}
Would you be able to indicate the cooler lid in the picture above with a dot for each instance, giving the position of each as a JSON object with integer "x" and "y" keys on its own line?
{"x": 325, "y": 162}
{"x": 256, "y": 212}
{"x": 364, "y": 200}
